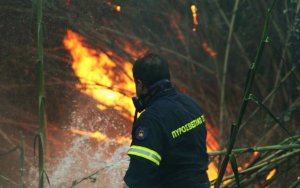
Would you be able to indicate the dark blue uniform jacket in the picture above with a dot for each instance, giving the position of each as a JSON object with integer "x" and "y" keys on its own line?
{"x": 168, "y": 146}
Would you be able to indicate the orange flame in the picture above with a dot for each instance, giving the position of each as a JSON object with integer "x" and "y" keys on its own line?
{"x": 123, "y": 140}
{"x": 208, "y": 50}
{"x": 101, "y": 137}
{"x": 252, "y": 157}
{"x": 100, "y": 76}
{"x": 118, "y": 8}
{"x": 194, "y": 12}
{"x": 212, "y": 171}
{"x": 97, "y": 135}
{"x": 212, "y": 145}
{"x": 135, "y": 52}
{"x": 271, "y": 174}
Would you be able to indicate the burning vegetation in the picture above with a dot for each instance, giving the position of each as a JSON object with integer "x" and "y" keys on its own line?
{"x": 89, "y": 49}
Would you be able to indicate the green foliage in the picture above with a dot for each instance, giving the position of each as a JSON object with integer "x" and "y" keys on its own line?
{"x": 295, "y": 184}
{"x": 41, "y": 98}
{"x": 259, "y": 103}
{"x": 22, "y": 162}
{"x": 248, "y": 86}
{"x": 235, "y": 169}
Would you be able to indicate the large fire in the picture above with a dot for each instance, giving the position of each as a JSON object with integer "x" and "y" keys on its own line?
{"x": 101, "y": 78}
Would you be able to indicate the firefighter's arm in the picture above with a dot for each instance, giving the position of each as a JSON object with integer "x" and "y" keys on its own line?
{"x": 145, "y": 154}
{"x": 141, "y": 173}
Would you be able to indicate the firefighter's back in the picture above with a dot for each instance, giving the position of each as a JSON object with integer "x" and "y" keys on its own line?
{"x": 184, "y": 159}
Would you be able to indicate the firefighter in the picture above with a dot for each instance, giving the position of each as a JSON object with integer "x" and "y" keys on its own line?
{"x": 168, "y": 146}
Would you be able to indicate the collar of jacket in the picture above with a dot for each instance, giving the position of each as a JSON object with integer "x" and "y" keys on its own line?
{"x": 160, "y": 94}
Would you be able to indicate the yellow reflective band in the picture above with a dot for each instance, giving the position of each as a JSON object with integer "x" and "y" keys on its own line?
{"x": 145, "y": 153}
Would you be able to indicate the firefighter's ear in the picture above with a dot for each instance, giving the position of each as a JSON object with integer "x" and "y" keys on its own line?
{"x": 139, "y": 84}
{"x": 138, "y": 87}
{"x": 141, "y": 89}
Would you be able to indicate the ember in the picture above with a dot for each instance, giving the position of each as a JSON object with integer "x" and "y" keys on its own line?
{"x": 194, "y": 12}
{"x": 271, "y": 174}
